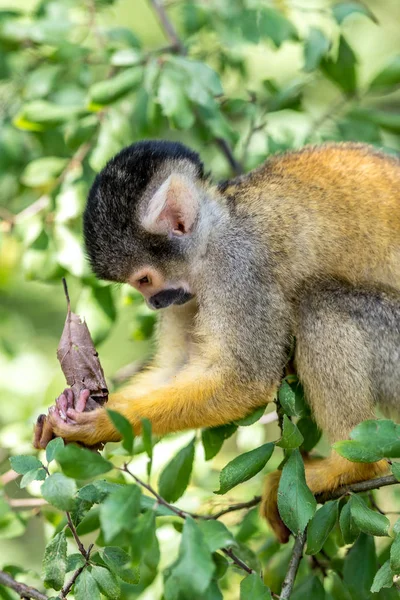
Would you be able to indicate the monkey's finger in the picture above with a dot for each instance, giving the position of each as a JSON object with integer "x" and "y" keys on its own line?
{"x": 70, "y": 397}
{"x": 62, "y": 405}
{"x": 37, "y": 431}
{"x": 82, "y": 400}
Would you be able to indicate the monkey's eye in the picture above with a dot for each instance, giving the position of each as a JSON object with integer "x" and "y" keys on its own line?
{"x": 144, "y": 280}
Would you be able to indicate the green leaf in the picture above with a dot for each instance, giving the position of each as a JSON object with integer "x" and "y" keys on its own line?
{"x": 86, "y": 587}
{"x": 368, "y": 520}
{"x": 59, "y": 491}
{"x": 52, "y": 448}
{"x": 78, "y": 132}
{"x": 291, "y": 436}
{"x": 175, "y": 476}
{"x": 342, "y": 71}
{"x": 43, "y": 171}
{"x": 125, "y": 429}
{"x": 359, "y": 567}
{"x": 173, "y": 99}
{"x": 389, "y": 76}
{"x": 119, "y": 511}
{"x": 395, "y": 555}
{"x": 371, "y": 441}
{"x": 348, "y": 527}
{"x": 310, "y": 588}
{"x": 253, "y": 417}
{"x": 244, "y": 467}
{"x": 310, "y": 432}
{"x": 107, "y": 582}
{"x": 194, "y": 568}
{"x": 253, "y": 587}
{"x": 34, "y": 475}
{"x": 81, "y": 463}
{"x": 147, "y": 443}
{"x": 42, "y": 115}
{"x": 291, "y": 398}
{"x": 383, "y": 578}
{"x": 75, "y": 561}
{"x": 214, "y": 437}
{"x": 296, "y": 503}
{"x": 264, "y": 23}
{"x": 321, "y": 525}
{"x": 342, "y": 10}
{"x": 55, "y": 561}
{"x": 395, "y": 467}
{"x": 216, "y": 535}
{"x": 315, "y": 48}
{"x": 106, "y": 92}
{"x": 118, "y": 560}
{"x": 144, "y": 543}
{"x": 22, "y": 464}
{"x": 146, "y": 437}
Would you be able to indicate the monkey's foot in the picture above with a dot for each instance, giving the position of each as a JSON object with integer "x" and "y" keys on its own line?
{"x": 322, "y": 476}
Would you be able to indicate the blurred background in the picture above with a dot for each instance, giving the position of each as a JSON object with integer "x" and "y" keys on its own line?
{"x": 237, "y": 80}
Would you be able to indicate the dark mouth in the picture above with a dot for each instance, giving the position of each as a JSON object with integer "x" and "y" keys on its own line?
{"x": 168, "y": 297}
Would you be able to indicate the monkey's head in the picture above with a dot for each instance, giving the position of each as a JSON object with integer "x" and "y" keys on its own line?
{"x": 142, "y": 217}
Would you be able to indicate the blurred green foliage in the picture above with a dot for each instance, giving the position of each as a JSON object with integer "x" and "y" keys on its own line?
{"x": 244, "y": 79}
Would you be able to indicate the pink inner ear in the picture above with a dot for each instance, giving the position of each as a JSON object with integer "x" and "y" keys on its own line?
{"x": 173, "y": 208}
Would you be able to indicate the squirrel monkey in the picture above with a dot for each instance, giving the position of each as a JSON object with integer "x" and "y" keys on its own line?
{"x": 307, "y": 245}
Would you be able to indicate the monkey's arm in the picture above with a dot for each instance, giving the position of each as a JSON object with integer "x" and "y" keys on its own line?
{"x": 198, "y": 397}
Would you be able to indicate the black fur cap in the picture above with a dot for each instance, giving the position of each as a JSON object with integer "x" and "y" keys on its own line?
{"x": 115, "y": 242}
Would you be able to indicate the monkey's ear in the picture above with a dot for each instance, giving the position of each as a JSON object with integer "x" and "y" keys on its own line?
{"x": 173, "y": 208}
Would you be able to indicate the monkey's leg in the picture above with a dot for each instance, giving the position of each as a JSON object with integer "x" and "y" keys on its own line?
{"x": 348, "y": 342}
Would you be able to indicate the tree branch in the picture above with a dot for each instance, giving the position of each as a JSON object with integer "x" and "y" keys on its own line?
{"x": 294, "y": 562}
{"x": 356, "y": 488}
{"x": 24, "y": 591}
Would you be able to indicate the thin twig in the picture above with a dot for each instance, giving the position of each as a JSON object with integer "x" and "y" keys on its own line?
{"x": 183, "y": 515}
{"x": 24, "y": 591}
{"x": 167, "y": 26}
{"x": 355, "y": 488}
{"x": 81, "y": 547}
{"x": 238, "y": 561}
{"x": 64, "y": 282}
{"x": 233, "y": 507}
{"x": 294, "y": 562}
{"x": 65, "y": 591}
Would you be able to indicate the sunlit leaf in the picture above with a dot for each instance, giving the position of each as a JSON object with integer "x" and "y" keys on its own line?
{"x": 321, "y": 525}
{"x": 244, "y": 467}
{"x": 175, "y": 476}
{"x": 55, "y": 561}
{"x": 296, "y": 503}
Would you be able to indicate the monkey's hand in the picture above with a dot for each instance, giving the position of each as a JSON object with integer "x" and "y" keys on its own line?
{"x": 74, "y": 424}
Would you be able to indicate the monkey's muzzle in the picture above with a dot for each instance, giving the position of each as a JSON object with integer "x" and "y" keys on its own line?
{"x": 168, "y": 297}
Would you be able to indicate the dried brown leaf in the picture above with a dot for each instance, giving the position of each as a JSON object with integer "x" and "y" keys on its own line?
{"x": 79, "y": 360}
